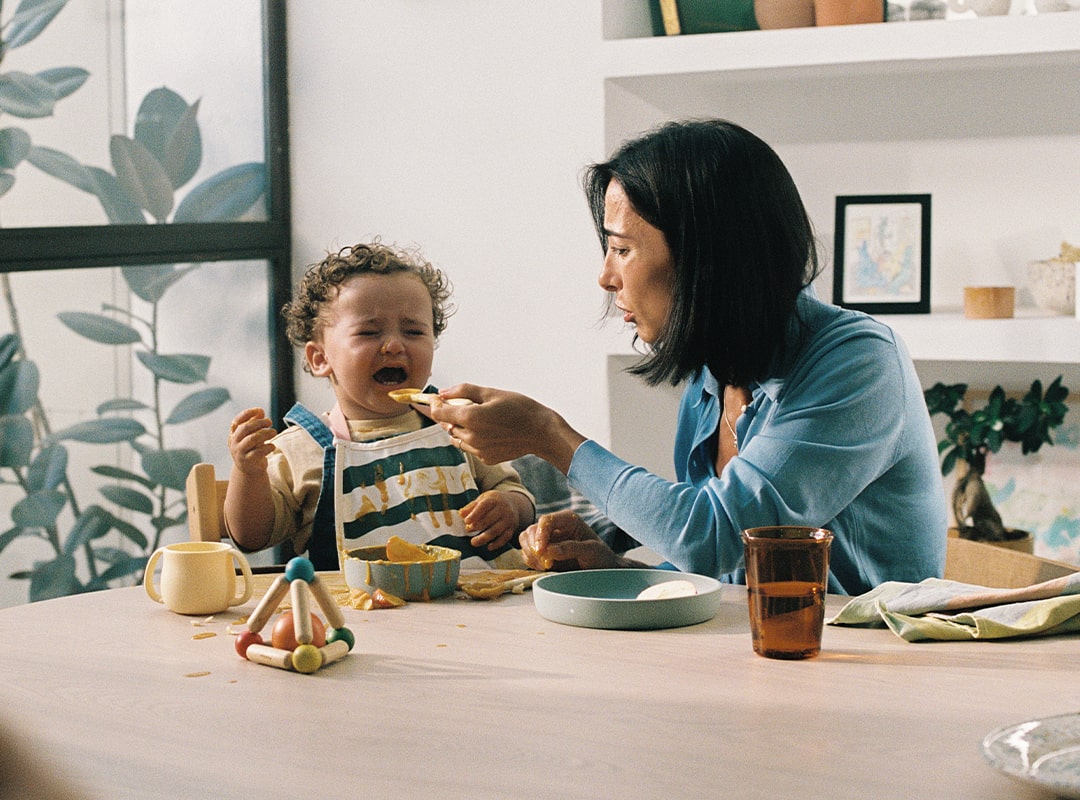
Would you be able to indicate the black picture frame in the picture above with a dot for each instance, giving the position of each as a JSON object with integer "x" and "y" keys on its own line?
{"x": 882, "y": 253}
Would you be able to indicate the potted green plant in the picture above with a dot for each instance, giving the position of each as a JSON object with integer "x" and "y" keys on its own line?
{"x": 970, "y": 436}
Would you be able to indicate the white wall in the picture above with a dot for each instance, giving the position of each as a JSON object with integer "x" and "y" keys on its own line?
{"x": 462, "y": 126}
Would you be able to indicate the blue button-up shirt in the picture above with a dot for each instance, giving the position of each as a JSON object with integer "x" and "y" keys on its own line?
{"x": 839, "y": 437}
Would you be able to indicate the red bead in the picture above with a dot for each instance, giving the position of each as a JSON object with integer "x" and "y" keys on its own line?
{"x": 245, "y": 640}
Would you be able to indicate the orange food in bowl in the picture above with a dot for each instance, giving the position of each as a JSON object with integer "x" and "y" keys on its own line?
{"x": 400, "y": 551}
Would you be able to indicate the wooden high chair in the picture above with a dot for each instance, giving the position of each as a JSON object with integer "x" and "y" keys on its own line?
{"x": 205, "y": 504}
{"x": 985, "y": 564}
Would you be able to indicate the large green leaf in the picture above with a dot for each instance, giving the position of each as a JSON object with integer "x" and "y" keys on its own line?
{"x": 30, "y": 19}
{"x": 38, "y": 509}
{"x": 10, "y": 535}
{"x": 16, "y": 441}
{"x": 48, "y": 469}
{"x": 102, "y": 431}
{"x": 179, "y": 368}
{"x": 128, "y": 498}
{"x": 129, "y": 532}
{"x": 93, "y": 523}
{"x": 109, "y": 471}
{"x": 14, "y": 147}
{"x": 198, "y": 404}
{"x": 99, "y": 328}
{"x": 9, "y": 346}
{"x": 7, "y": 180}
{"x": 141, "y": 176}
{"x": 123, "y": 567}
{"x": 224, "y": 197}
{"x": 26, "y": 96}
{"x": 170, "y": 468}
{"x": 119, "y": 208}
{"x": 151, "y": 282}
{"x": 19, "y": 382}
{"x": 121, "y": 404}
{"x": 64, "y": 80}
{"x": 62, "y": 166}
{"x": 54, "y": 578}
{"x": 166, "y": 126}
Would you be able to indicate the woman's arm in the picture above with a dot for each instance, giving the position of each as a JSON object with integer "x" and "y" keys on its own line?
{"x": 502, "y": 426}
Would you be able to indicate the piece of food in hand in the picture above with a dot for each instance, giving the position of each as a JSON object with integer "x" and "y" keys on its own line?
{"x": 408, "y": 396}
{"x": 667, "y": 589}
{"x": 490, "y": 584}
{"x": 398, "y": 550}
{"x": 1069, "y": 252}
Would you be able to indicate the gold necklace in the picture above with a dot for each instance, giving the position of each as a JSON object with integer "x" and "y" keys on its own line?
{"x": 731, "y": 428}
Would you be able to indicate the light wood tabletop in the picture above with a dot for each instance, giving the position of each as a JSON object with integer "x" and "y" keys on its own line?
{"x": 486, "y": 699}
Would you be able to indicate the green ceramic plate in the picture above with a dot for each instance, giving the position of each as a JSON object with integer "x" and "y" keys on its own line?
{"x": 607, "y": 598}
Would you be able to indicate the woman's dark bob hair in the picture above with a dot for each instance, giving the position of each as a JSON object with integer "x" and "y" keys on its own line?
{"x": 742, "y": 244}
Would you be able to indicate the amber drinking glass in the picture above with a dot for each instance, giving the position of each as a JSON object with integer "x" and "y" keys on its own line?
{"x": 787, "y": 570}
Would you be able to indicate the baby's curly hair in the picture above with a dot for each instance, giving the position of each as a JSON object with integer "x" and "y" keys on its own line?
{"x": 320, "y": 284}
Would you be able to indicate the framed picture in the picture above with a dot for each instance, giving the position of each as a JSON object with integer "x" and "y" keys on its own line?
{"x": 882, "y": 249}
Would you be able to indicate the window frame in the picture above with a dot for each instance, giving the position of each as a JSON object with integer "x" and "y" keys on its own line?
{"x": 84, "y": 246}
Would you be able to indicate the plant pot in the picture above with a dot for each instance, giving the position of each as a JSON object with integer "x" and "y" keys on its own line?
{"x": 1022, "y": 541}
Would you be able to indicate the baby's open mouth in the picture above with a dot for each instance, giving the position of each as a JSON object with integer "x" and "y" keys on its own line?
{"x": 391, "y": 376}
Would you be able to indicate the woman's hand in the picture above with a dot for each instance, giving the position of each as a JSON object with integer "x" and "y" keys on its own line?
{"x": 562, "y": 541}
{"x": 501, "y": 426}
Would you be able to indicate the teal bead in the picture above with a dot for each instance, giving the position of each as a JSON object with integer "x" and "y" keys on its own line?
{"x": 299, "y": 568}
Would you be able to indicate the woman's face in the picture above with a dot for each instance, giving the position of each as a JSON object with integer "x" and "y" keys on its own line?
{"x": 638, "y": 268}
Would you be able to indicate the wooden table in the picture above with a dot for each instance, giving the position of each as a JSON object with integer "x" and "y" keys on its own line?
{"x": 473, "y": 699}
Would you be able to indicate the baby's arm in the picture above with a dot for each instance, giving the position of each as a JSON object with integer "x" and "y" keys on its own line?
{"x": 249, "y": 503}
{"x": 496, "y": 516}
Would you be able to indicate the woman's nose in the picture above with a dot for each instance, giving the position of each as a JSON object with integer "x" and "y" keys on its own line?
{"x": 608, "y": 277}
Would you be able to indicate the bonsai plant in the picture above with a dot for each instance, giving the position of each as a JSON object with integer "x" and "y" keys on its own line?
{"x": 970, "y": 436}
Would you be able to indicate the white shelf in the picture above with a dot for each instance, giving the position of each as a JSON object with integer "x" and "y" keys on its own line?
{"x": 953, "y": 337}
{"x": 908, "y": 94}
{"x": 929, "y": 45}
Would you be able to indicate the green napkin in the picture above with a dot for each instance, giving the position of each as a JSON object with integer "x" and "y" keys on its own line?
{"x": 940, "y": 609}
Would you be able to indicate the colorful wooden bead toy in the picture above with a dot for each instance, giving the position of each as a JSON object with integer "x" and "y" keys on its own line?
{"x": 301, "y": 584}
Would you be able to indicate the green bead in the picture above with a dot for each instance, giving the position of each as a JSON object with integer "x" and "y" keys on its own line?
{"x": 342, "y": 634}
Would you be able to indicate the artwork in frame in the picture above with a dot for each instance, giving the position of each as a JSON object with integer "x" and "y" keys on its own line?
{"x": 882, "y": 251}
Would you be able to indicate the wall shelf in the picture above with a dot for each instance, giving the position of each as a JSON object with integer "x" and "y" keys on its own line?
{"x": 981, "y": 113}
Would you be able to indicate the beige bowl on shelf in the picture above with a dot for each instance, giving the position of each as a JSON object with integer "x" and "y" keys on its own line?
{"x": 989, "y": 302}
{"x": 1053, "y": 285}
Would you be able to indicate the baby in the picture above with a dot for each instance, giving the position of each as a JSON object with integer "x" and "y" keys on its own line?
{"x": 368, "y": 319}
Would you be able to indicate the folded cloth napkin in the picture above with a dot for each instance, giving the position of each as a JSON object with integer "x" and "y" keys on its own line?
{"x": 940, "y": 609}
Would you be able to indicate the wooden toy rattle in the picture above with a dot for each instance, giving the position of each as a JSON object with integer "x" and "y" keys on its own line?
{"x": 309, "y": 645}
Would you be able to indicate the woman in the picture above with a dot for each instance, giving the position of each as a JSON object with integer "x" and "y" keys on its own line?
{"x": 795, "y": 412}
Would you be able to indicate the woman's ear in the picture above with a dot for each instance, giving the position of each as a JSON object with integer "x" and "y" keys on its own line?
{"x": 317, "y": 361}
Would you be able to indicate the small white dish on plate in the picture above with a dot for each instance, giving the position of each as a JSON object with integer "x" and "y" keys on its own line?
{"x": 608, "y": 598}
{"x": 1044, "y": 751}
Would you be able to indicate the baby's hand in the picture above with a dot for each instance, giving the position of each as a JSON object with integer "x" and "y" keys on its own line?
{"x": 492, "y": 517}
{"x": 249, "y": 440}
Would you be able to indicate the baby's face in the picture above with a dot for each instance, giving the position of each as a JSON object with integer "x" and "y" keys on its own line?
{"x": 378, "y": 335}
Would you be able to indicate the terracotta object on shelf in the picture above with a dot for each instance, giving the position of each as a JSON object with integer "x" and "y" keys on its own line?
{"x": 848, "y": 12}
{"x": 808, "y": 13}
{"x": 989, "y": 302}
{"x": 784, "y": 13}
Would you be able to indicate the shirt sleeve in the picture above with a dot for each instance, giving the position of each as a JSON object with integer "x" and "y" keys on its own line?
{"x": 831, "y": 427}
{"x": 500, "y": 477}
